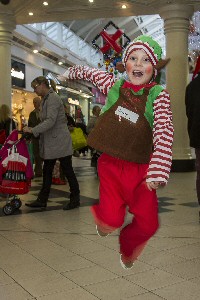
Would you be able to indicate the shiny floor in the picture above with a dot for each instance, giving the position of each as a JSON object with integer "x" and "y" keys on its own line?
{"x": 56, "y": 255}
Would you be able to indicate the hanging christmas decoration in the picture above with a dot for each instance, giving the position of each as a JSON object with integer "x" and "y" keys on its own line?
{"x": 194, "y": 38}
{"x": 113, "y": 45}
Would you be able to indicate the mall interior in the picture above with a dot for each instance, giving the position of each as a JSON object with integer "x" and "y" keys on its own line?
{"x": 53, "y": 254}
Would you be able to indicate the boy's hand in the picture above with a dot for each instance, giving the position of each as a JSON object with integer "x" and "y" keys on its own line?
{"x": 153, "y": 185}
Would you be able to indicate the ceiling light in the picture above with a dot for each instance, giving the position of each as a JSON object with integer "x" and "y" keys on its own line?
{"x": 91, "y": 1}
{"x": 36, "y": 48}
{"x": 61, "y": 62}
{"x": 124, "y": 6}
{"x": 45, "y": 3}
{"x": 30, "y": 13}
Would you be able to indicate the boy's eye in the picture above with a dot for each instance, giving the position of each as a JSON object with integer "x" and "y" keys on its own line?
{"x": 147, "y": 59}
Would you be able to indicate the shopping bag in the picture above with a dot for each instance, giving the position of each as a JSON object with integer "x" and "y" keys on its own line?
{"x": 14, "y": 174}
{"x": 78, "y": 139}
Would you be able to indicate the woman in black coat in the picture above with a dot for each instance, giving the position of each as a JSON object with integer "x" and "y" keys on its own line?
{"x": 192, "y": 102}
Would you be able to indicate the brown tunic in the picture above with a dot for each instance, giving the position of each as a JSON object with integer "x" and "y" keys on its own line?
{"x": 123, "y": 131}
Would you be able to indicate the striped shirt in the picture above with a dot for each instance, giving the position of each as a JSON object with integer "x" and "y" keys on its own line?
{"x": 161, "y": 160}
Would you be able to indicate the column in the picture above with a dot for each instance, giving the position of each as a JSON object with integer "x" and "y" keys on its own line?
{"x": 7, "y": 25}
{"x": 176, "y": 26}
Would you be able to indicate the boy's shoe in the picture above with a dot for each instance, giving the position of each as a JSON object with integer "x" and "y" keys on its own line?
{"x": 127, "y": 265}
{"x": 71, "y": 205}
{"x": 101, "y": 233}
{"x": 36, "y": 204}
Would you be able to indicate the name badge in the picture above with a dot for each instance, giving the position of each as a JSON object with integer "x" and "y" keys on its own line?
{"x": 126, "y": 114}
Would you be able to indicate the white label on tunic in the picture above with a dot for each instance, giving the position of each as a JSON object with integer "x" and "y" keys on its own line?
{"x": 127, "y": 114}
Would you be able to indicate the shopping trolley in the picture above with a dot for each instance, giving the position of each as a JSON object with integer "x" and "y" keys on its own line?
{"x": 15, "y": 170}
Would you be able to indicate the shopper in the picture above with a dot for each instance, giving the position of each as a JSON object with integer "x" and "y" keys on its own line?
{"x": 92, "y": 121}
{"x": 135, "y": 134}
{"x": 55, "y": 142}
{"x": 6, "y": 123}
{"x": 34, "y": 120}
{"x": 192, "y": 102}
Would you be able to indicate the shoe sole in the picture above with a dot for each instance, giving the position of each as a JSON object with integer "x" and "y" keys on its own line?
{"x": 71, "y": 207}
{"x": 29, "y": 205}
{"x": 101, "y": 235}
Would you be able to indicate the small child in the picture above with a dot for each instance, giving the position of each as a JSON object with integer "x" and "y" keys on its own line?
{"x": 135, "y": 134}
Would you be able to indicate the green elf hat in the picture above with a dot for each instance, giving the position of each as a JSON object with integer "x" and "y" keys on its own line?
{"x": 152, "y": 49}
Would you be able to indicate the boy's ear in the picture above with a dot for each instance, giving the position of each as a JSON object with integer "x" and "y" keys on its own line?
{"x": 162, "y": 63}
{"x": 120, "y": 67}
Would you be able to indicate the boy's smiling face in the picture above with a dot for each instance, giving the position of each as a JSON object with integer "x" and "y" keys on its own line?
{"x": 139, "y": 68}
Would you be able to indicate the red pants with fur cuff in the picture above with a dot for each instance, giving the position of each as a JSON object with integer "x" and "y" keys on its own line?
{"x": 122, "y": 185}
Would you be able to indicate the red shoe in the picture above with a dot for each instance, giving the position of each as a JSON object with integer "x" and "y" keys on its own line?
{"x": 59, "y": 181}
{"x": 62, "y": 182}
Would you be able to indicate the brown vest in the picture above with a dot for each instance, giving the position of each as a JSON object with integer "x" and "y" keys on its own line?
{"x": 123, "y": 131}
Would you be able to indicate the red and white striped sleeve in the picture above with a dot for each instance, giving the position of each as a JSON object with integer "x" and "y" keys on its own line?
{"x": 101, "y": 79}
{"x": 160, "y": 164}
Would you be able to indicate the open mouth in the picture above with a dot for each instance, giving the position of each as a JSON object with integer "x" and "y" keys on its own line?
{"x": 137, "y": 74}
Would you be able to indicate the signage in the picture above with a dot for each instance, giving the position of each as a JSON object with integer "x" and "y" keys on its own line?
{"x": 18, "y": 74}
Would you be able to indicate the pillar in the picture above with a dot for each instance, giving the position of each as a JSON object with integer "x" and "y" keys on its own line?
{"x": 7, "y": 25}
{"x": 176, "y": 27}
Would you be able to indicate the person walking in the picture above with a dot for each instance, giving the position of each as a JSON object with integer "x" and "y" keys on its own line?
{"x": 192, "y": 102}
{"x": 55, "y": 143}
{"x": 34, "y": 120}
{"x": 134, "y": 133}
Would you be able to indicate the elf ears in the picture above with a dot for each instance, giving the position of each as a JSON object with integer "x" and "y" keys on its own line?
{"x": 161, "y": 64}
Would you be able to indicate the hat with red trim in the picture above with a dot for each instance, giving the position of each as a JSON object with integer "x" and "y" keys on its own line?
{"x": 146, "y": 43}
{"x": 152, "y": 49}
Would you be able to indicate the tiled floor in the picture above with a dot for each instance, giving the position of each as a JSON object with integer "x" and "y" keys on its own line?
{"x": 56, "y": 255}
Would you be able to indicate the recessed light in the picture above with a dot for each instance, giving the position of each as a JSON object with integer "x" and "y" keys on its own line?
{"x": 91, "y": 1}
{"x": 30, "y": 13}
{"x": 45, "y": 3}
{"x": 35, "y": 51}
{"x": 60, "y": 63}
{"x": 124, "y": 6}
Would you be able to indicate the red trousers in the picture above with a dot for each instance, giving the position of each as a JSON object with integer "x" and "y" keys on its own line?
{"x": 122, "y": 185}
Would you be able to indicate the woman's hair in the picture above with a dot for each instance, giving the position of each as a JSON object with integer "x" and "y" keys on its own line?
{"x": 4, "y": 113}
{"x": 41, "y": 79}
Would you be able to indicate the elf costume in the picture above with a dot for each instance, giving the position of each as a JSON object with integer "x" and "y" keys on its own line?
{"x": 135, "y": 134}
